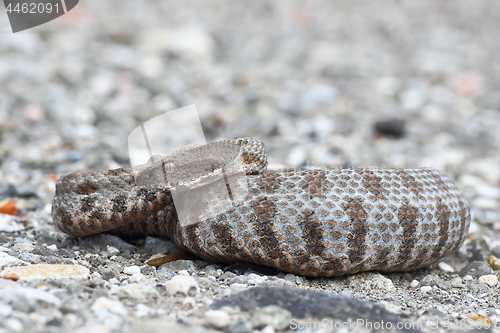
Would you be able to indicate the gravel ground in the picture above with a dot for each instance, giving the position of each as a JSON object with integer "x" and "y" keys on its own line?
{"x": 311, "y": 80}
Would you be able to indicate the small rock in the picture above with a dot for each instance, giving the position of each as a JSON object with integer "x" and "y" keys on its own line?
{"x": 255, "y": 279}
{"x": 138, "y": 291}
{"x": 5, "y": 310}
{"x": 490, "y": 280}
{"x": 390, "y": 128}
{"x": 23, "y": 303}
{"x": 457, "y": 283}
{"x": 153, "y": 245}
{"x": 435, "y": 312}
{"x": 414, "y": 284}
{"x": 7, "y": 260}
{"x": 24, "y": 293}
{"x": 46, "y": 271}
{"x": 100, "y": 242}
{"x": 181, "y": 284}
{"x": 391, "y": 307}
{"x": 429, "y": 280}
{"x": 476, "y": 268}
{"x": 272, "y": 315}
{"x": 372, "y": 280}
{"x": 108, "y": 273}
{"x": 494, "y": 262}
{"x": 142, "y": 310}
{"x": 217, "y": 318}
{"x": 425, "y": 289}
{"x": 9, "y": 223}
{"x": 130, "y": 270}
{"x": 496, "y": 253}
{"x": 13, "y": 324}
{"x": 112, "y": 251}
{"x": 445, "y": 267}
{"x": 237, "y": 287}
{"x": 103, "y": 307}
{"x": 240, "y": 327}
{"x": 180, "y": 265}
{"x": 148, "y": 270}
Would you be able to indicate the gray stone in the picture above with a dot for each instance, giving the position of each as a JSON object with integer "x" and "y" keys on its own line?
{"x": 148, "y": 270}
{"x": 272, "y": 315}
{"x": 476, "y": 268}
{"x": 180, "y": 265}
{"x": 100, "y": 242}
{"x": 154, "y": 245}
{"x": 108, "y": 273}
{"x": 306, "y": 303}
{"x": 240, "y": 327}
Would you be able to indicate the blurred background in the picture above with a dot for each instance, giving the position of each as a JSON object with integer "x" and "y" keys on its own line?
{"x": 391, "y": 83}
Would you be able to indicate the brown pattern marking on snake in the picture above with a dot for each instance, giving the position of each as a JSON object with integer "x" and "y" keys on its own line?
{"x": 372, "y": 183}
{"x": 463, "y": 213}
{"x": 407, "y": 216}
{"x": 357, "y": 236}
{"x": 264, "y": 227}
{"x": 443, "y": 217}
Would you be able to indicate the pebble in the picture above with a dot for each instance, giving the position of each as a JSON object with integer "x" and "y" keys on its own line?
{"x": 130, "y": 270}
{"x": 445, "y": 267}
{"x": 217, "y": 318}
{"x": 457, "y": 282}
{"x": 181, "y": 284}
{"x": 138, "y": 291}
{"x": 394, "y": 128}
{"x": 27, "y": 293}
{"x": 414, "y": 284}
{"x": 142, "y": 310}
{"x": 180, "y": 265}
{"x": 255, "y": 279}
{"x": 7, "y": 260}
{"x": 490, "y": 280}
{"x": 475, "y": 268}
{"x": 46, "y": 271}
{"x": 426, "y": 289}
{"x": 272, "y": 315}
{"x": 9, "y": 223}
{"x": 104, "y": 306}
{"x": 154, "y": 245}
{"x": 494, "y": 262}
{"x": 372, "y": 280}
{"x": 241, "y": 326}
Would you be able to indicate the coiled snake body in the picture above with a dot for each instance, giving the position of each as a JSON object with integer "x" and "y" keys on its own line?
{"x": 310, "y": 222}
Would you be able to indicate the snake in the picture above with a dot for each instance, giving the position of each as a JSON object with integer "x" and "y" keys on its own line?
{"x": 321, "y": 222}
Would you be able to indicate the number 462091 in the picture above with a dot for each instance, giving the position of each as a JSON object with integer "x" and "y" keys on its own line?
{"x": 33, "y": 8}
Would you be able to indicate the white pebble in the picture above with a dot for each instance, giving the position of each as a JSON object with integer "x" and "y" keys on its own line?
{"x": 131, "y": 270}
{"x": 142, "y": 310}
{"x": 106, "y": 306}
{"x": 414, "y": 283}
{"x": 426, "y": 289}
{"x": 136, "y": 277}
{"x": 254, "y": 279}
{"x": 183, "y": 272}
{"x": 217, "y": 318}
{"x": 52, "y": 247}
{"x": 112, "y": 251}
{"x": 490, "y": 280}
{"x": 445, "y": 267}
{"x": 181, "y": 284}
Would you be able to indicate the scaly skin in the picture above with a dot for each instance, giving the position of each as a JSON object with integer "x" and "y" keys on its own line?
{"x": 314, "y": 223}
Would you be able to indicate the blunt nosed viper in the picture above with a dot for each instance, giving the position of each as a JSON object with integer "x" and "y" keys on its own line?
{"x": 309, "y": 222}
